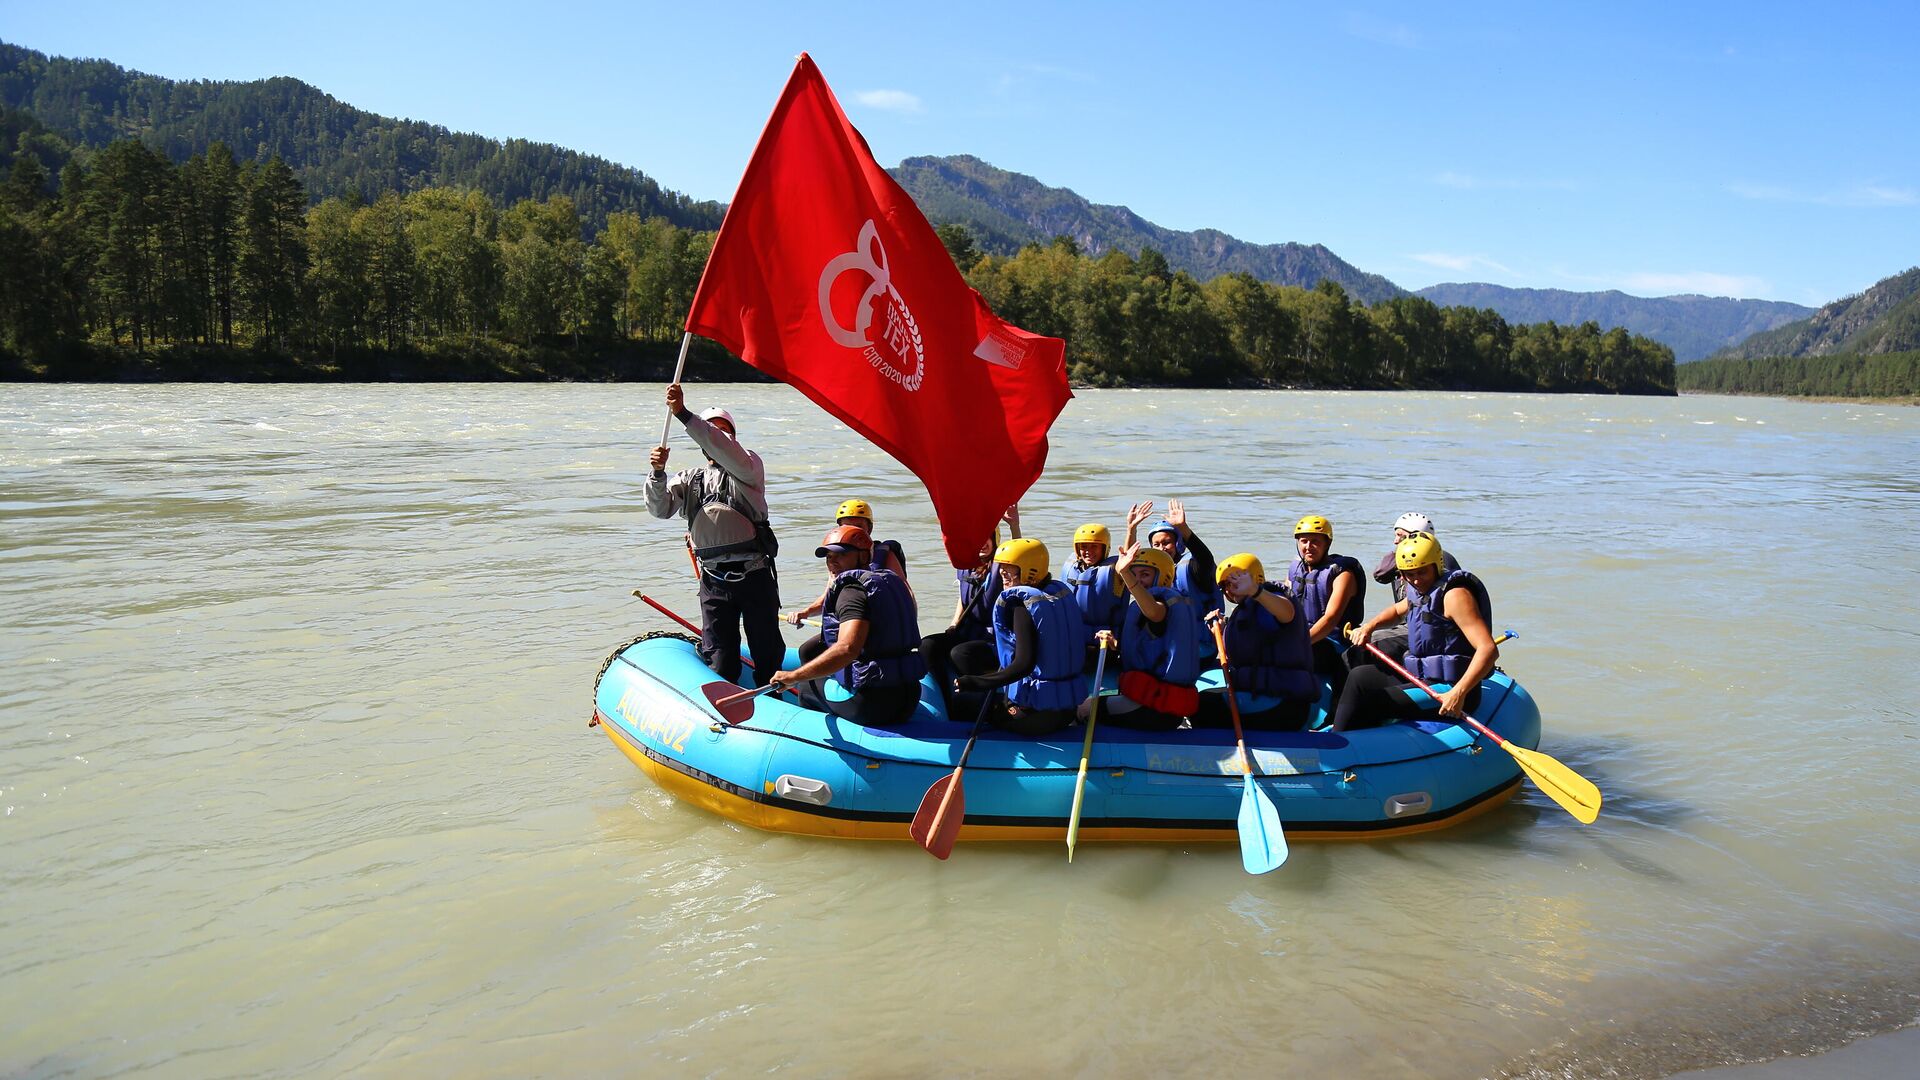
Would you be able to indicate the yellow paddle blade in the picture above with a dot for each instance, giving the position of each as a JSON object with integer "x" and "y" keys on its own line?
{"x": 1572, "y": 791}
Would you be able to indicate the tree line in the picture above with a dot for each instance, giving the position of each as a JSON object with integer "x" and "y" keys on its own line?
{"x": 1836, "y": 375}
{"x": 129, "y": 251}
{"x": 1133, "y": 320}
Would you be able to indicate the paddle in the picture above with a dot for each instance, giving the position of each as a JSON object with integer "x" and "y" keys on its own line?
{"x": 1575, "y": 793}
{"x": 1263, "y": 844}
{"x": 734, "y": 705}
{"x": 937, "y": 823}
{"x": 1086, "y": 751}
{"x": 662, "y": 609}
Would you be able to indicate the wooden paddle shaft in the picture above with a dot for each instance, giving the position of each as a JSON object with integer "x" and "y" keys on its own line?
{"x": 1233, "y": 702}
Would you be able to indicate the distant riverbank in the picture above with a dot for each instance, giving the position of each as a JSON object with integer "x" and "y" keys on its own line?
{"x": 488, "y": 360}
{"x": 483, "y": 361}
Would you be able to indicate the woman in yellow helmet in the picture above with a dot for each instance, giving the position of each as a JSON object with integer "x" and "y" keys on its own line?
{"x": 1159, "y": 644}
{"x": 1393, "y": 641}
{"x": 1270, "y": 661}
{"x": 1099, "y": 592}
{"x": 1448, "y": 643}
{"x": 1033, "y": 663}
{"x": 887, "y": 554}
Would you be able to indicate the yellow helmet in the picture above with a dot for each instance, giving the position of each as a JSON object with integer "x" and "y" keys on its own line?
{"x": 1314, "y": 524}
{"x": 1416, "y": 551}
{"x": 1026, "y": 553}
{"x": 854, "y": 508}
{"x": 1093, "y": 534}
{"x": 1161, "y": 562}
{"x": 1247, "y": 561}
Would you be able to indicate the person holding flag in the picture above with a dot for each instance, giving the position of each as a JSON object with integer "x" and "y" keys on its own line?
{"x": 725, "y": 504}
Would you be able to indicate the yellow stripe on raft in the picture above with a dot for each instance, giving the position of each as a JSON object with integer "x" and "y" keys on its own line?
{"x": 780, "y": 819}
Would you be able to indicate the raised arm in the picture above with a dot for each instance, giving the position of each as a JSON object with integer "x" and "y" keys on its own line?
{"x": 1141, "y": 511}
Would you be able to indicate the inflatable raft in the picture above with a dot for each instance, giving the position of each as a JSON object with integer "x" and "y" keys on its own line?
{"x": 793, "y": 770}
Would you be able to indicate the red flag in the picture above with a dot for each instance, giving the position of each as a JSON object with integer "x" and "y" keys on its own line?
{"x": 827, "y": 277}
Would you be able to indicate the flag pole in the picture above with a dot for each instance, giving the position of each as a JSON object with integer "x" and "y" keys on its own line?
{"x": 686, "y": 339}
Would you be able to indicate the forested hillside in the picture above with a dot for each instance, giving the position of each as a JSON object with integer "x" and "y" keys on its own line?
{"x": 1884, "y": 319}
{"x": 331, "y": 147}
{"x": 1005, "y": 211}
{"x": 1693, "y": 325}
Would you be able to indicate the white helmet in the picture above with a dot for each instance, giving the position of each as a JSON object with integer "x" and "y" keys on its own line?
{"x": 719, "y": 414}
{"x": 1415, "y": 523}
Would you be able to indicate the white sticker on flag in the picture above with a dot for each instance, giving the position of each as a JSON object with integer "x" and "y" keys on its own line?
{"x": 1002, "y": 348}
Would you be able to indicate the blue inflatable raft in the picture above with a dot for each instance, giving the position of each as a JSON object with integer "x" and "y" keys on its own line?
{"x": 793, "y": 770}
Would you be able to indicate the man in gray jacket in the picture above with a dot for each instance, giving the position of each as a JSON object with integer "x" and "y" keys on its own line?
{"x": 725, "y": 504}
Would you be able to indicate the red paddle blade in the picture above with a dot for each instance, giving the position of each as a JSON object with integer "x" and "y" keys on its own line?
{"x": 937, "y": 823}
{"x": 734, "y": 704}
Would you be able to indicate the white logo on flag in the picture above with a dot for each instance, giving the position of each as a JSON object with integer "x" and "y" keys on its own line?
{"x": 900, "y": 354}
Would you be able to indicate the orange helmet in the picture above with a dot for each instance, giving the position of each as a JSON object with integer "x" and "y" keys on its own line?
{"x": 843, "y": 538}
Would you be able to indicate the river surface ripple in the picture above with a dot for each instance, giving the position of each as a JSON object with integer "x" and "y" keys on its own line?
{"x": 296, "y": 779}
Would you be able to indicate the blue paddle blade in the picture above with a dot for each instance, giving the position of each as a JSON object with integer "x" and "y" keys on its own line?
{"x": 1263, "y": 845}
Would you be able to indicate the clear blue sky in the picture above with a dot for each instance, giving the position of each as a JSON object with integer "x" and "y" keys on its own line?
{"x": 1747, "y": 149}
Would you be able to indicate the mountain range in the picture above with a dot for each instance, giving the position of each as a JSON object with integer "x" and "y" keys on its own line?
{"x": 1006, "y": 210}
{"x": 336, "y": 149}
{"x": 1883, "y": 319}
{"x": 1690, "y": 324}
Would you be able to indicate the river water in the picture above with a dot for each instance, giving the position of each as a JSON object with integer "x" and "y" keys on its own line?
{"x": 296, "y": 778}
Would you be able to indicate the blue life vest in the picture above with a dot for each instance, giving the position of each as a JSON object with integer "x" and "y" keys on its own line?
{"x": 1100, "y": 608}
{"x": 1205, "y": 596}
{"x": 880, "y": 550}
{"x": 1268, "y": 656}
{"x": 1058, "y": 679}
{"x": 1436, "y": 649}
{"x": 1312, "y": 589}
{"x": 977, "y": 595}
{"x": 1171, "y": 656}
{"x": 891, "y": 656}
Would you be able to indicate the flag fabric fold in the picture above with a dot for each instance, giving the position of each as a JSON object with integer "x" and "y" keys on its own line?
{"x": 827, "y": 277}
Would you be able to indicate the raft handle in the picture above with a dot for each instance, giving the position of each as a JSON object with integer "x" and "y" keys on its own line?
{"x": 1413, "y": 802}
{"x": 803, "y": 789}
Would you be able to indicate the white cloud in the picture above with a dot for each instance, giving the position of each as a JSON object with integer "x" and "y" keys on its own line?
{"x": 1458, "y": 263}
{"x": 1694, "y": 281}
{"x": 1380, "y": 31}
{"x": 891, "y": 100}
{"x": 1869, "y": 194}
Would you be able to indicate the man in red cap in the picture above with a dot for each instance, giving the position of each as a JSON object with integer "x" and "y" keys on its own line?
{"x": 866, "y": 664}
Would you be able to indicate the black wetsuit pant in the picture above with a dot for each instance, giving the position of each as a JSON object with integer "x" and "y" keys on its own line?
{"x": 1374, "y": 696}
{"x": 936, "y": 649}
{"x": 1286, "y": 716}
{"x": 980, "y": 658}
{"x": 728, "y": 600}
{"x": 873, "y": 706}
{"x": 1330, "y": 663}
